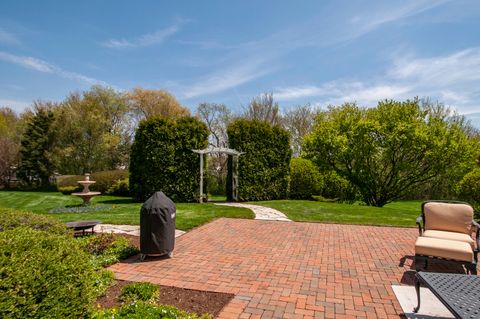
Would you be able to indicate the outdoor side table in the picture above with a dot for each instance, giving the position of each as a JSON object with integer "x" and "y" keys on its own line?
{"x": 459, "y": 293}
{"x": 83, "y": 225}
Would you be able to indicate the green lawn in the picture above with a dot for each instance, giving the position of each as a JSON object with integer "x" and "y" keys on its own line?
{"x": 401, "y": 213}
{"x": 120, "y": 210}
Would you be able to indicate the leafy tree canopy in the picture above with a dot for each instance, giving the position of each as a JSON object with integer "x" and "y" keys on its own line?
{"x": 146, "y": 103}
{"x": 388, "y": 150}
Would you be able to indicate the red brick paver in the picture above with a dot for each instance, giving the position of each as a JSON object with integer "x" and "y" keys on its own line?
{"x": 287, "y": 270}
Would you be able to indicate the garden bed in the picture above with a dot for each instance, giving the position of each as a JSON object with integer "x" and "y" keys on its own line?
{"x": 190, "y": 300}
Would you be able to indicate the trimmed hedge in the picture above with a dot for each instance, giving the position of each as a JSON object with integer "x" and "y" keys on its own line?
{"x": 104, "y": 180}
{"x": 305, "y": 180}
{"x": 162, "y": 159}
{"x": 44, "y": 275}
{"x": 10, "y": 219}
{"x": 264, "y": 169}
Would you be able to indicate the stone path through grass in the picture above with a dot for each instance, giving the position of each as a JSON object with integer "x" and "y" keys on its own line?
{"x": 126, "y": 229}
{"x": 261, "y": 212}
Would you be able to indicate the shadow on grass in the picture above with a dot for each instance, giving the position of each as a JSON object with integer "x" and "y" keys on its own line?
{"x": 125, "y": 200}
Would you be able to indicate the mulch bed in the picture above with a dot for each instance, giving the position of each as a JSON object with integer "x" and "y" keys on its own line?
{"x": 189, "y": 300}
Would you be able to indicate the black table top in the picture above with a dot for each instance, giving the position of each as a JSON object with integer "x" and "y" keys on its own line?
{"x": 83, "y": 224}
{"x": 459, "y": 293}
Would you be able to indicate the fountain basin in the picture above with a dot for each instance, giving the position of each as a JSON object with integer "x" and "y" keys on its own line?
{"x": 86, "y": 196}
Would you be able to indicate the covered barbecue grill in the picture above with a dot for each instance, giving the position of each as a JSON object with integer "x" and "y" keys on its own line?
{"x": 157, "y": 226}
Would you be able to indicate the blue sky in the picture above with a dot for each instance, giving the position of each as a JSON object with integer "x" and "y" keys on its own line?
{"x": 318, "y": 52}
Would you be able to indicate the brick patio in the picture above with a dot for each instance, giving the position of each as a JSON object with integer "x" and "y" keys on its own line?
{"x": 288, "y": 270}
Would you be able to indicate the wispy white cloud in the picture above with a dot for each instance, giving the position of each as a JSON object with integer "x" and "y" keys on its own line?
{"x": 226, "y": 79}
{"x": 373, "y": 19}
{"x": 453, "y": 79}
{"x": 8, "y": 38}
{"x": 45, "y": 67}
{"x": 146, "y": 39}
{"x": 265, "y": 55}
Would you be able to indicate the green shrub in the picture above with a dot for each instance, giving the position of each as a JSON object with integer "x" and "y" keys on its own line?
{"x": 107, "y": 249}
{"x": 10, "y": 218}
{"x": 69, "y": 181}
{"x": 142, "y": 310}
{"x": 68, "y": 190}
{"x": 264, "y": 169}
{"x": 162, "y": 159}
{"x": 305, "y": 180}
{"x": 104, "y": 180}
{"x": 469, "y": 188}
{"x": 139, "y": 291}
{"x": 337, "y": 187}
{"x": 43, "y": 275}
{"x": 120, "y": 188}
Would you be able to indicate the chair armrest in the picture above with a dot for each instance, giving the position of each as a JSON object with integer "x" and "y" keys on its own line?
{"x": 477, "y": 233}
{"x": 419, "y": 223}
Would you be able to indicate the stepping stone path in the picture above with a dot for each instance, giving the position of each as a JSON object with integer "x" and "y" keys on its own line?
{"x": 126, "y": 229}
{"x": 261, "y": 212}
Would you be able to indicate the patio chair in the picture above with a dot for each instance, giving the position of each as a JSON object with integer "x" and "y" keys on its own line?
{"x": 445, "y": 232}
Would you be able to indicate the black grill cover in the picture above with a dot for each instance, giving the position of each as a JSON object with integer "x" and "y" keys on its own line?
{"x": 157, "y": 225}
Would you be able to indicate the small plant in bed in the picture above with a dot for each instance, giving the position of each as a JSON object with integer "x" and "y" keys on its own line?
{"x": 80, "y": 209}
{"x": 145, "y": 310}
{"x": 139, "y": 291}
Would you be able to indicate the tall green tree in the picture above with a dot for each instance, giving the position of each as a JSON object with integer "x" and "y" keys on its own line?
{"x": 388, "y": 150}
{"x": 92, "y": 131}
{"x": 36, "y": 146}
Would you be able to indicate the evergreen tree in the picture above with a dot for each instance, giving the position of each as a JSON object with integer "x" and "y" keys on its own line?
{"x": 35, "y": 147}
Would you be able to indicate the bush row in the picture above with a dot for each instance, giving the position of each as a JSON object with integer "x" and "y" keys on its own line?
{"x": 107, "y": 182}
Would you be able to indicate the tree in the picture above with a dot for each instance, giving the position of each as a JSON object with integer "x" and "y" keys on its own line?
{"x": 264, "y": 108}
{"x": 264, "y": 168}
{"x": 10, "y": 137}
{"x": 389, "y": 150}
{"x": 36, "y": 146}
{"x": 299, "y": 122}
{"x": 147, "y": 103}
{"x": 92, "y": 132}
{"x": 162, "y": 158}
{"x": 216, "y": 117}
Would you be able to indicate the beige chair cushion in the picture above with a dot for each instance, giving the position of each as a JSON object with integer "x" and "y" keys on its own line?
{"x": 443, "y": 248}
{"x": 448, "y": 217}
{"x": 450, "y": 236}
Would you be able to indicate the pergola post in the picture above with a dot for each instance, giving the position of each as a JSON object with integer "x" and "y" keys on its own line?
{"x": 233, "y": 169}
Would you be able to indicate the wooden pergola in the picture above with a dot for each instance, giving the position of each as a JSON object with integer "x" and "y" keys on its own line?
{"x": 232, "y": 180}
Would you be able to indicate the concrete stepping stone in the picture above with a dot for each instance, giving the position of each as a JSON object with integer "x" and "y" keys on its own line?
{"x": 261, "y": 212}
{"x": 133, "y": 230}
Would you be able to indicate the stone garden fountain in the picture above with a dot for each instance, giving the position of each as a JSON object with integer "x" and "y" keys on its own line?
{"x": 86, "y": 194}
